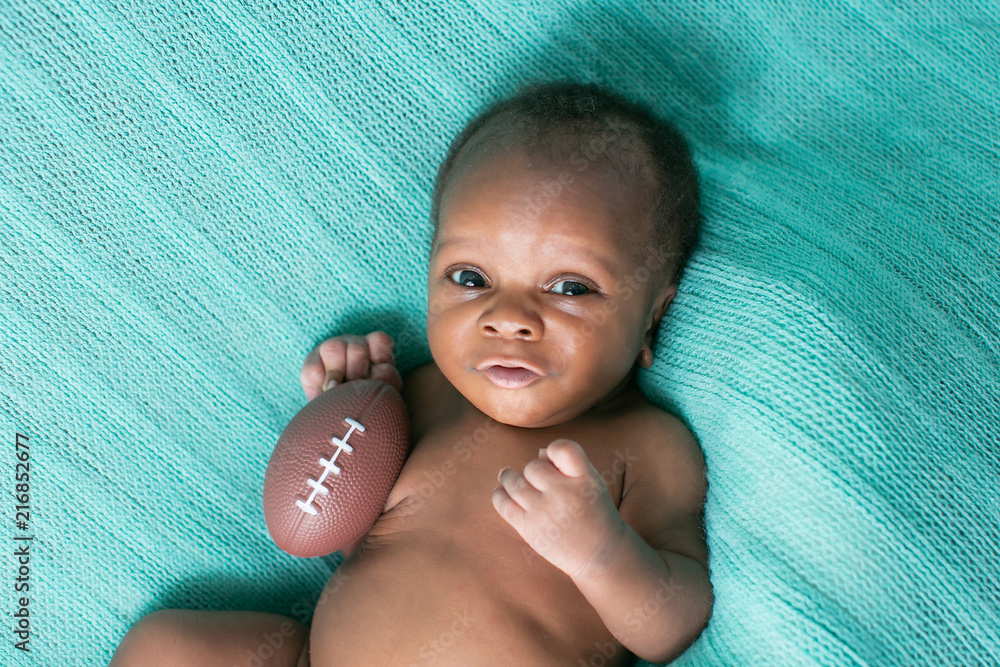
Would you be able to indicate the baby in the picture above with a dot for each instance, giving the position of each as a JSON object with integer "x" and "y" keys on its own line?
{"x": 547, "y": 514}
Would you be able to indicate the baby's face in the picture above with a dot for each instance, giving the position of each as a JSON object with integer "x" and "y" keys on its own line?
{"x": 521, "y": 279}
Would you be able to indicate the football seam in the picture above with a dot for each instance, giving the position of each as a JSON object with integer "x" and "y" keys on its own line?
{"x": 342, "y": 445}
{"x": 329, "y": 465}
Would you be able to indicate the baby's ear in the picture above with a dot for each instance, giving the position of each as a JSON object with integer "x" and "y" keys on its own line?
{"x": 667, "y": 295}
{"x": 663, "y": 300}
{"x": 645, "y": 357}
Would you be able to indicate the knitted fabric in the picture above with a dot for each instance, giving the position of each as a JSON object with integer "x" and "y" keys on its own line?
{"x": 193, "y": 195}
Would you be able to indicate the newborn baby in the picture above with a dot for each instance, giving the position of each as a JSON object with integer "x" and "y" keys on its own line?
{"x": 548, "y": 514}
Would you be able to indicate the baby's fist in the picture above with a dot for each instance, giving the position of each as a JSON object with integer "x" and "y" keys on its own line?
{"x": 349, "y": 357}
{"x": 561, "y": 507}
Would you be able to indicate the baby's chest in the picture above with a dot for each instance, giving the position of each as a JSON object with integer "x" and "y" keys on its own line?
{"x": 452, "y": 469}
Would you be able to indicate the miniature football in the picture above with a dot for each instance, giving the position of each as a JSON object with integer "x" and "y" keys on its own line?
{"x": 334, "y": 465}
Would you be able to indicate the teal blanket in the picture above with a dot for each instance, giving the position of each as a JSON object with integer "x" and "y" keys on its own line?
{"x": 193, "y": 195}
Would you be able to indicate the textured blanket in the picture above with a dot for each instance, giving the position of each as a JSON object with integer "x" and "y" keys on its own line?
{"x": 193, "y": 195}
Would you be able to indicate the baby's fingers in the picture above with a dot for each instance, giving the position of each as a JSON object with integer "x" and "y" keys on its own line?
{"x": 333, "y": 362}
{"x": 349, "y": 357}
{"x": 312, "y": 375}
{"x": 345, "y": 358}
{"x": 383, "y": 363}
{"x": 388, "y": 373}
{"x": 380, "y": 346}
{"x": 570, "y": 459}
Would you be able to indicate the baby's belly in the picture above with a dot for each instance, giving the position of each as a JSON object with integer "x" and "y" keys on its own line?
{"x": 424, "y": 590}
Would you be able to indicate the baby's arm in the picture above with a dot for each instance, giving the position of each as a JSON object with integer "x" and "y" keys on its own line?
{"x": 643, "y": 566}
{"x": 653, "y": 590}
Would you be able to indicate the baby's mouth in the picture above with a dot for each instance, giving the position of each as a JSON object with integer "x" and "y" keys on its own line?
{"x": 510, "y": 378}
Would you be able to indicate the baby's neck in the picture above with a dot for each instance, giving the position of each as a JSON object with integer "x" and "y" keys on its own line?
{"x": 623, "y": 391}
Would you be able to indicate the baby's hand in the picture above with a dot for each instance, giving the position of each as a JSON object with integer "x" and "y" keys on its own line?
{"x": 349, "y": 357}
{"x": 561, "y": 507}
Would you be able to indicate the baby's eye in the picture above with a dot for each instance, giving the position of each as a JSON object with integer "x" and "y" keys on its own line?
{"x": 571, "y": 288}
{"x": 468, "y": 278}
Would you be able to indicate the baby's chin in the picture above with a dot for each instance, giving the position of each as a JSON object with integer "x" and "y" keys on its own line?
{"x": 512, "y": 413}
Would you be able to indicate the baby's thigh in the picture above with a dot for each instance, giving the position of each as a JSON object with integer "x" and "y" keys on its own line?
{"x": 211, "y": 638}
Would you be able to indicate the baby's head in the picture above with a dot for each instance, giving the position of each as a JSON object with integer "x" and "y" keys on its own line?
{"x": 563, "y": 218}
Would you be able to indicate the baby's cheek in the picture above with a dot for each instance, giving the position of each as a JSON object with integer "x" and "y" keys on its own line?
{"x": 438, "y": 336}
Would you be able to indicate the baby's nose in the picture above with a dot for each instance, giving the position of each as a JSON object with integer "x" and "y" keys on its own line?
{"x": 511, "y": 319}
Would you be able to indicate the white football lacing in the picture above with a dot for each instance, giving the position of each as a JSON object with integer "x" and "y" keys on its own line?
{"x": 328, "y": 466}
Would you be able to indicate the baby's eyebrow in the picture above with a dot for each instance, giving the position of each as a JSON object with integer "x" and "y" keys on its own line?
{"x": 604, "y": 262}
{"x": 458, "y": 240}
{"x": 599, "y": 258}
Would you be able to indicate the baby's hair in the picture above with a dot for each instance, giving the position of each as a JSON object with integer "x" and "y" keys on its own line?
{"x": 555, "y": 118}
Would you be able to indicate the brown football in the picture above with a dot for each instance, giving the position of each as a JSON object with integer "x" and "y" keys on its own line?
{"x": 334, "y": 465}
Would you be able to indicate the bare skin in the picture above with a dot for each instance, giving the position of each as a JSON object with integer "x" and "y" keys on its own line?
{"x": 553, "y": 523}
{"x": 443, "y": 578}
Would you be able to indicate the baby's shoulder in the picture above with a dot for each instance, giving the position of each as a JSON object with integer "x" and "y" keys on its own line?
{"x": 664, "y": 485}
{"x": 662, "y": 439}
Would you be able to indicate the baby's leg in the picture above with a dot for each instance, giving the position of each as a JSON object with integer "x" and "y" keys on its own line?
{"x": 191, "y": 638}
